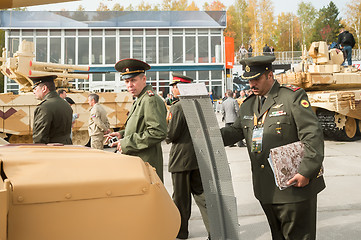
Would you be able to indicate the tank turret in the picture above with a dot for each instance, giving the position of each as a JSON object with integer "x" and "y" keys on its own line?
{"x": 334, "y": 90}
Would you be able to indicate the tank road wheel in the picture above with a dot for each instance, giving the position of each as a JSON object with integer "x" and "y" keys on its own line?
{"x": 21, "y": 139}
{"x": 358, "y": 132}
{"x": 80, "y": 138}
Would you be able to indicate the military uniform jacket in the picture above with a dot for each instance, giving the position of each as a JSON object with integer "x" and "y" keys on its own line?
{"x": 182, "y": 156}
{"x": 146, "y": 128}
{"x": 289, "y": 119}
{"x": 52, "y": 120}
{"x": 230, "y": 110}
{"x": 98, "y": 121}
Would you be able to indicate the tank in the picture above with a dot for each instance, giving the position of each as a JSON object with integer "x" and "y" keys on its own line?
{"x": 16, "y": 110}
{"x": 334, "y": 90}
{"x": 25, "y": 3}
{"x": 74, "y": 192}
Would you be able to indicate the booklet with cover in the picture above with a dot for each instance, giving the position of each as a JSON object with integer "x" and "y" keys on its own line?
{"x": 285, "y": 160}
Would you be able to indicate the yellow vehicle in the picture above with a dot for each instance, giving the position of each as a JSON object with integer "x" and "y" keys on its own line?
{"x": 334, "y": 91}
{"x": 16, "y": 111}
{"x": 74, "y": 192}
{"x": 25, "y": 3}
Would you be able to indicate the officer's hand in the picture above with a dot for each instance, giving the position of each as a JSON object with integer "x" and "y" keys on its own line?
{"x": 299, "y": 180}
{"x": 107, "y": 131}
{"x": 113, "y": 134}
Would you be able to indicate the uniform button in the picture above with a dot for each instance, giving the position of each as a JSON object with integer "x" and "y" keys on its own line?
{"x": 262, "y": 166}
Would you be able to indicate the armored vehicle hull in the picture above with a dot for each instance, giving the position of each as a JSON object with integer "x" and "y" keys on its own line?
{"x": 334, "y": 91}
{"x": 72, "y": 192}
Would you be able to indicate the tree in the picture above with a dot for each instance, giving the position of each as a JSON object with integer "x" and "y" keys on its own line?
{"x": 117, "y": 7}
{"x": 2, "y": 45}
{"x": 144, "y": 6}
{"x": 192, "y": 7}
{"x": 327, "y": 25}
{"x": 174, "y": 5}
{"x": 266, "y": 22}
{"x": 287, "y": 33}
{"x": 216, "y": 5}
{"x": 353, "y": 19}
{"x": 307, "y": 14}
{"x": 102, "y": 7}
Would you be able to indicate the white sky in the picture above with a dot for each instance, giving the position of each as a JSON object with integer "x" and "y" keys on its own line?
{"x": 91, "y": 5}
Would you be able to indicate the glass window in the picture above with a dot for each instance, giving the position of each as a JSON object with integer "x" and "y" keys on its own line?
{"x": 164, "y": 76}
{"x": 70, "y": 32}
{"x": 124, "y": 47}
{"x": 164, "y": 31}
{"x": 190, "y": 49}
{"x": 83, "y": 50}
{"x": 83, "y": 32}
{"x": 150, "y": 31}
{"x": 55, "y": 32}
{"x": 216, "y": 74}
{"x": 137, "y": 31}
{"x": 110, "y": 32}
{"x": 27, "y": 32}
{"x": 216, "y": 52}
{"x": 151, "y": 50}
{"x": 177, "y": 49}
{"x": 69, "y": 51}
{"x": 97, "y": 32}
{"x": 28, "y": 39}
{"x": 177, "y": 31}
{"x": 203, "y": 75}
{"x": 41, "y": 33}
{"x": 191, "y": 74}
{"x": 13, "y": 45}
{"x": 203, "y": 31}
{"x": 203, "y": 49}
{"x": 41, "y": 49}
{"x": 151, "y": 76}
{"x": 110, "y": 77}
{"x": 110, "y": 53}
{"x": 97, "y": 77}
{"x": 124, "y": 32}
{"x": 55, "y": 50}
{"x": 163, "y": 49}
{"x": 217, "y": 92}
{"x": 216, "y": 31}
{"x": 97, "y": 46}
{"x": 14, "y": 32}
{"x": 190, "y": 31}
{"x": 138, "y": 48}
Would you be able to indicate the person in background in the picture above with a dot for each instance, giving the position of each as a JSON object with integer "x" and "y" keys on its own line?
{"x": 347, "y": 42}
{"x": 75, "y": 115}
{"x": 250, "y": 50}
{"x": 62, "y": 93}
{"x": 229, "y": 109}
{"x": 52, "y": 116}
{"x": 98, "y": 122}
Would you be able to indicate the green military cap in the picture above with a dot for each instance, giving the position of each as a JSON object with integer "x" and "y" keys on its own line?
{"x": 41, "y": 79}
{"x": 130, "y": 67}
{"x": 179, "y": 78}
{"x": 254, "y": 67}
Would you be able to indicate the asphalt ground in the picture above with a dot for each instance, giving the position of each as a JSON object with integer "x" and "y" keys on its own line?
{"x": 339, "y": 205}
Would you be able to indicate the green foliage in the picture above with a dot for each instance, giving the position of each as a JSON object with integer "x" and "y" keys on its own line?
{"x": 327, "y": 25}
{"x": 307, "y": 15}
{"x": 2, "y": 45}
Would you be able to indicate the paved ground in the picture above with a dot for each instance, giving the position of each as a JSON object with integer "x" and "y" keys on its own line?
{"x": 339, "y": 205}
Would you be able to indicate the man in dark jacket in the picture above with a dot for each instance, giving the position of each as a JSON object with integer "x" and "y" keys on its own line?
{"x": 53, "y": 115}
{"x": 276, "y": 115}
{"x": 183, "y": 163}
{"x": 347, "y": 42}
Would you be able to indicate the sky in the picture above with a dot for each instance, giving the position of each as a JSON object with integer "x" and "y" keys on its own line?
{"x": 91, "y": 5}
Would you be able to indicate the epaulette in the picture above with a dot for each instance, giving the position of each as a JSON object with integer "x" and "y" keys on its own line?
{"x": 41, "y": 102}
{"x": 290, "y": 87}
{"x": 150, "y": 93}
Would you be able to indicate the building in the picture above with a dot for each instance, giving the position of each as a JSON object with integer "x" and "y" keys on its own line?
{"x": 186, "y": 42}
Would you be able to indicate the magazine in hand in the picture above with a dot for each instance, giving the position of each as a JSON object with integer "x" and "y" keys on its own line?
{"x": 285, "y": 160}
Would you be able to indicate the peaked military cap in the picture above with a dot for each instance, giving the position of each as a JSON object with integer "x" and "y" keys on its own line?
{"x": 130, "y": 67}
{"x": 179, "y": 78}
{"x": 41, "y": 79}
{"x": 254, "y": 67}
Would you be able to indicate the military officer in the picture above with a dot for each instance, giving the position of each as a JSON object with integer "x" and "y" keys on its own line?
{"x": 183, "y": 164}
{"x": 146, "y": 125}
{"x": 53, "y": 115}
{"x": 98, "y": 122}
{"x": 273, "y": 116}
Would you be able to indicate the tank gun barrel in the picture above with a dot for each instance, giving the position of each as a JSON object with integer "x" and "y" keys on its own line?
{"x": 25, "y": 3}
{"x": 33, "y": 73}
{"x": 56, "y": 66}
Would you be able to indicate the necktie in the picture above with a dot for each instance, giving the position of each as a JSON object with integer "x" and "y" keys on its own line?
{"x": 261, "y": 102}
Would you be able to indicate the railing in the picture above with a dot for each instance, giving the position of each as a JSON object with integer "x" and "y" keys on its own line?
{"x": 289, "y": 57}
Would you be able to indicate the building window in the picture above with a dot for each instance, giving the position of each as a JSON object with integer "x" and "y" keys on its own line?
{"x": 41, "y": 49}
{"x": 55, "y": 50}
{"x": 83, "y": 50}
{"x": 216, "y": 50}
{"x": 13, "y": 45}
{"x": 110, "y": 77}
{"x": 138, "y": 48}
{"x": 192, "y": 74}
{"x": 97, "y": 77}
{"x": 97, "y": 46}
{"x": 151, "y": 50}
{"x": 69, "y": 50}
{"x": 203, "y": 75}
{"x": 190, "y": 49}
{"x": 203, "y": 49}
{"x": 110, "y": 53}
{"x": 177, "y": 49}
{"x": 163, "y": 49}
{"x": 151, "y": 77}
{"x": 124, "y": 47}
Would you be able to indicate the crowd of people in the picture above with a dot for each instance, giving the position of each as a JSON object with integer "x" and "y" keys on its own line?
{"x": 267, "y": 116}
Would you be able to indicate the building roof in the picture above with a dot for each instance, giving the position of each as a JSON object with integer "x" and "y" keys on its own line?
{"x": 112, "y": 19}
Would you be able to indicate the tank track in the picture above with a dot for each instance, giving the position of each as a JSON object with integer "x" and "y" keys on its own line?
{"x": 330, "y": 130}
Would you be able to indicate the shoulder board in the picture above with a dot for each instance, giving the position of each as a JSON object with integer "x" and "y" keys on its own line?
{"x": 41, "y": 102}
{"x": 248, "y": 97}
{"x": 150, "y": 92}
{"x": 291, "y": 87}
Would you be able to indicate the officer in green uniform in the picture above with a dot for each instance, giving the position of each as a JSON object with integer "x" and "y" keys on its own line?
{"x": 53, "y": 115}
{"x": 183, "y": 164}
{"x": 146, "y": 125}
{"x": 276, "y": 115}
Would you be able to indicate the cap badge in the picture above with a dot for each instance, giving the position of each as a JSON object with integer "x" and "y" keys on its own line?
{"x": 248, "y": 69}
{"x": 127, "y": 70}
